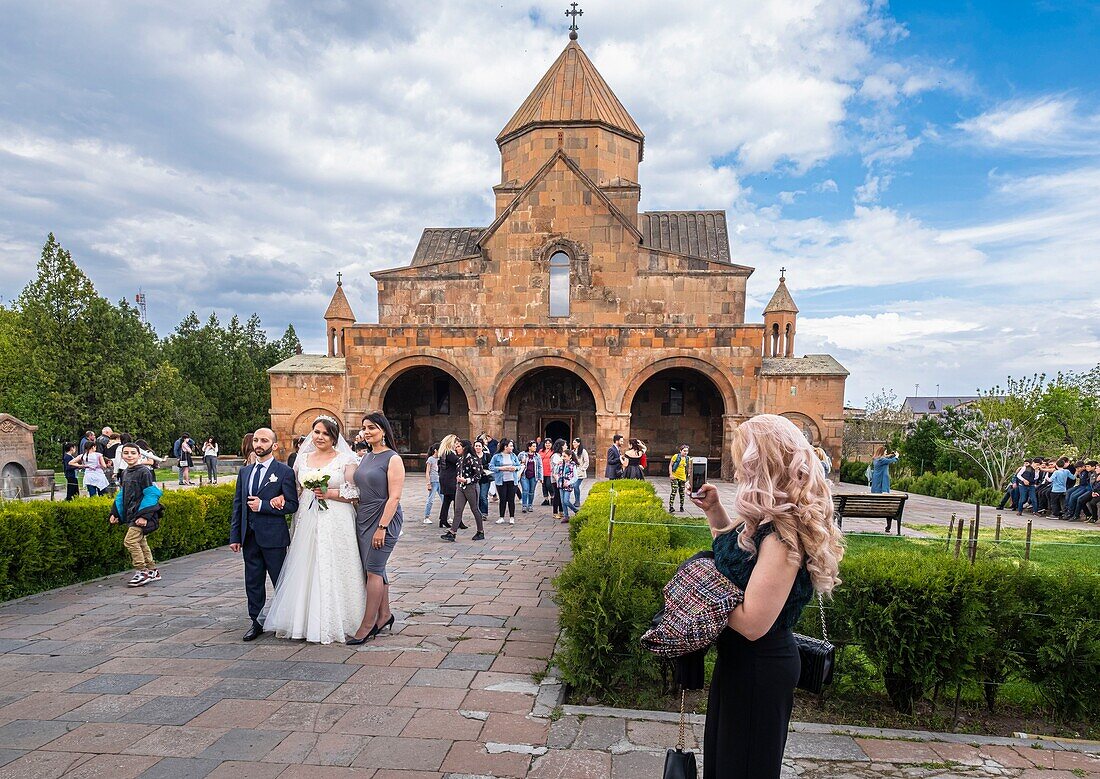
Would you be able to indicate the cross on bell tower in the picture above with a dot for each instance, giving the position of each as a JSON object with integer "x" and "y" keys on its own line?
{"x": 575, "y": 12}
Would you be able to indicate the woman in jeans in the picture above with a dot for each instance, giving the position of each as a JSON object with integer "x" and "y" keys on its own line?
{"x": 565, "y": 476}
{"x": 431, "y": 475}
{"x": 580, "y": 464}
{"x": 210, "y": 458}
{"x": 481, "y": 451}
{"x": 783, "y": 549}
{"x": 468, "y": 482}
{"x": 505, "y": 468}
{"x": 530, "y": 474}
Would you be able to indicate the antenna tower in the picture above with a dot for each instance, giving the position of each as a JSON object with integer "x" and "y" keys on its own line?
{"x": 139, "y": 298}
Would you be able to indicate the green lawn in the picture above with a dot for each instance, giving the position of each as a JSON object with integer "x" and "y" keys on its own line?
{"x": 1048, "y": 547}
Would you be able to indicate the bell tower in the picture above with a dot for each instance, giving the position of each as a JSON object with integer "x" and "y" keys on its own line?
{"x": 338, "y": 318}
{"x": 780, "y": 320}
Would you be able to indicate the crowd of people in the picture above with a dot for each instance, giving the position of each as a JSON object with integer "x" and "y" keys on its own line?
{"x": 462, "y": 473}
{"x": 100, "y": 461}
{"x": 1061, "y": 489}
{"x": 98, "y": 458}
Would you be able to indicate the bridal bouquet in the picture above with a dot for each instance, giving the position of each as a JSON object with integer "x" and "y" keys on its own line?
{"x": 313, "y": 480}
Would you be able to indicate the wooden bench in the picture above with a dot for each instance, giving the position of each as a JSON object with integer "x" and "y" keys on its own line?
{"x": 885, "y": 506}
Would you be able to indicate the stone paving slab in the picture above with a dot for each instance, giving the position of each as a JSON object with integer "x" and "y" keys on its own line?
{"x": 97, "y": 680}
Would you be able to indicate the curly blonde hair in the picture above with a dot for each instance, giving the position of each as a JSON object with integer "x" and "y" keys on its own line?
{"x": 781, "y": 480}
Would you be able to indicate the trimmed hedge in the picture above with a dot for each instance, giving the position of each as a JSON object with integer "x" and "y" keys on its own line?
{"x": 609, "y": 594}
{"x": 45, "y": 544}
{"x": 947, "y": 485}
{"x": 938, "y": 484}
{"x": 925, "y": 620}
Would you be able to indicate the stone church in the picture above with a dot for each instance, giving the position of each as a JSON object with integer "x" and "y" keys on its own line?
{"x": 572, "y": 314}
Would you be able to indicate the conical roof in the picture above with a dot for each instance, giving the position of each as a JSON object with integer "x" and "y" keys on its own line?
{"x": 339, "y": 307}
{"x": 781, "y": 301}
{"x": 572, "y": 92}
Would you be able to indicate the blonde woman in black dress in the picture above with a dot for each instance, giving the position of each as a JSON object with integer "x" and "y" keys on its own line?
{"x": 379, "y": 478}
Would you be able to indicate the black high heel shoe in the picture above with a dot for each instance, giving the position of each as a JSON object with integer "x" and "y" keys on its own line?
{"x": 353, "y": 641}
{"x": 374, "y": 631}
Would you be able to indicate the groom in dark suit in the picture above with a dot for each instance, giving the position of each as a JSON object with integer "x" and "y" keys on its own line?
{"x": 266, "y": 493}
{"x": 614, "y": 467}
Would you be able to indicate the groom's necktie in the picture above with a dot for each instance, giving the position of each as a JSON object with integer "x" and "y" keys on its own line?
{"x": 258, "y": 472}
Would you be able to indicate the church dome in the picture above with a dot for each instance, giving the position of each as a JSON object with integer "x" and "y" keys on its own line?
{"x": 572, "y": 93}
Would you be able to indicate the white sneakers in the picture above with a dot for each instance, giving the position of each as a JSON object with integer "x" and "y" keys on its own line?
{"x": 141, "y": 578}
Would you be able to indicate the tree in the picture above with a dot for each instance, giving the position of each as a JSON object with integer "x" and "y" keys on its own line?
{"x": 56, "y": 338}
{"x": 885, "y": 418}
{"x": 994, "y": 445}
{"x": 922, "y": 444}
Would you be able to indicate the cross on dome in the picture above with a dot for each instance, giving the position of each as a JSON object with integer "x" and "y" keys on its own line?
{"x": 575, "y": 12}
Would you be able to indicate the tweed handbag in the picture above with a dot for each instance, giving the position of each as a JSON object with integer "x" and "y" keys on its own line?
{"x": 698, "y": 601}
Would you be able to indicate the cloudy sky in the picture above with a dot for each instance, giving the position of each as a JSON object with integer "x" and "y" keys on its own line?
{"x": 929, "y": 172}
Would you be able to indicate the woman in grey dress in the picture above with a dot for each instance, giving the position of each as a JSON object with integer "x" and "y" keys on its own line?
{"x": 379, "y": 478}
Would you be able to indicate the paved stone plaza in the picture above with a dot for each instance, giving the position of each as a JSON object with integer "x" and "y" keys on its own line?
{"x": 102, "y": 681}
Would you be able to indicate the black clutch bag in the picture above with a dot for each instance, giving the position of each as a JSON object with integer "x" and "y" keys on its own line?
{"x": 817, "y": 656}
{"x": 680, "y": 763}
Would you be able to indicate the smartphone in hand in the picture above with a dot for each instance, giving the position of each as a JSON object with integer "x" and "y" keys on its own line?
{"x": 698, "y": 475}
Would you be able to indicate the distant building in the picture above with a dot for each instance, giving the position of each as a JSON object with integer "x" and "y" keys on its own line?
{"x": 934, "y": 406}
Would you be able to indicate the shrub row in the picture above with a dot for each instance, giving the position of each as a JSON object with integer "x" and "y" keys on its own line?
{"x": 45, "y": 544}
{"x": 940, "y": 484}
{"x": 947, "y": 485}
{"x": 853, "y": 471}
{"x": 926, "y": 620}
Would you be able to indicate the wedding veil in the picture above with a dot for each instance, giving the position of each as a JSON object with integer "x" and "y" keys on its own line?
{"x": 342, "y": 446}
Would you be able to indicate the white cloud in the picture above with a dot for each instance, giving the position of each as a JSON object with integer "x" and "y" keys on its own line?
{"x": 876, "y": 332}
{"x": 1049, "y": 124}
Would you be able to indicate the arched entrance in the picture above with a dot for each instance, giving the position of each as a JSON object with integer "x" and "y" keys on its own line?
{"x": 424, "y": 404}
{"x": 13, "y": 482}
{"x": 806, "y": 425}
{"x": 550, "y": 402}
{"x": 678, "y": 406}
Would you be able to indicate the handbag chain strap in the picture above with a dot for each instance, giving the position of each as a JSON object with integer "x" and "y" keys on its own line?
{"x": 680, "y": 743}
{"x": 821, "y": 608}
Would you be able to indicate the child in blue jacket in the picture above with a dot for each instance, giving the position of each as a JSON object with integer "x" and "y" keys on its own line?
{"x": 137, "y": 505}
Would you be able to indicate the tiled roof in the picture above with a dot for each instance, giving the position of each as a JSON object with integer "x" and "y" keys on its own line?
{"x": 936, "y": 404}
{"x": 310, "y": 363}
{"x": 572, "y": 92}
{"x": 439, "y": 244}
{"x": 810, "y": 365}
{"x": 339, "y": 307}
{"x": 692, "y": 233}
{"x": 781, "y": 300}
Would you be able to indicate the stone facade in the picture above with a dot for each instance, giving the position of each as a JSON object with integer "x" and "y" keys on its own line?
{"x": 646, "y": 335}
{"x": 19, "y": 474}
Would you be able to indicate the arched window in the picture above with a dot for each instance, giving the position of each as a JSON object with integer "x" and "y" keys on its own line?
{"x": 559, "y": 284}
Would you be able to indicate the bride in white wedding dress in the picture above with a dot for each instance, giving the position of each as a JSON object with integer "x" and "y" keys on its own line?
{"x": 320, "y": 595}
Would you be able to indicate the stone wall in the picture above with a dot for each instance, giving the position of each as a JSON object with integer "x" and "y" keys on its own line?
{"x": 613, "y": 279}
